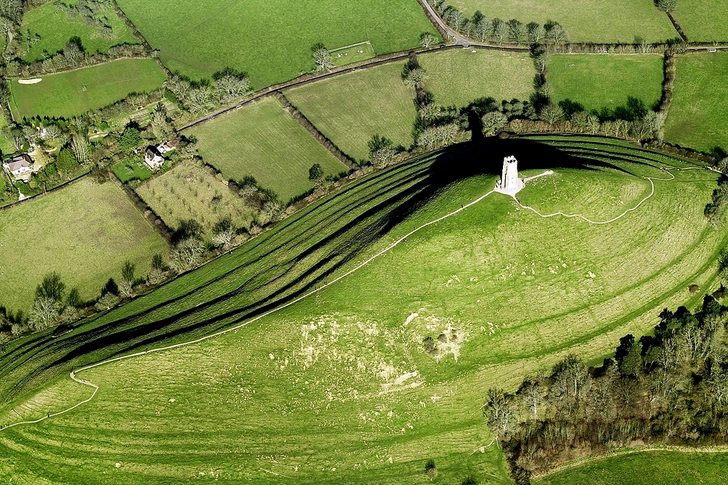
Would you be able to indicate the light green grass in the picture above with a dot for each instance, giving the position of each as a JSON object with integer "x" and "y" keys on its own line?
{"x": 84, "y": 232}
{"x": 55, "y": 28}
{"x": 646, "y": 468}
{"x": 73, "y": 93}
{"x": 350, "y": 55}
{"x": 337, "y": 388}
{"x": 703, "y": 20}
{"x": 599, "y": 81}
{"x": 351, "y": 108}
{"x": 188, "y": 191}
{"x": 585, "y": 20}
{"x": 698, "y": 115}
{"x": 272, "y": 42}
{"x": 459, "y": 76}
{"x": 264, "y": 141}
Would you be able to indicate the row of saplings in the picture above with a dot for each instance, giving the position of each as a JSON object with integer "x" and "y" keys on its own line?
{"x": 669, "y": 388}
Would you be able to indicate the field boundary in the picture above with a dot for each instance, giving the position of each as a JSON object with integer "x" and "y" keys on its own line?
{"x": 311, "y": 128}
{"x": 47, "y": 192}
{"x": 142, "y": 39}
{"x": 349, "y": 46}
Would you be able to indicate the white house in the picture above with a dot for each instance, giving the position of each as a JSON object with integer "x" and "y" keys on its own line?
{"x": 19, "y": 165}
{"x": 153, "y": 158}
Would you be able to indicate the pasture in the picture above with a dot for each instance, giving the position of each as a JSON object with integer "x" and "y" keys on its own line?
{"x": 585, "y": 20}
{"x": 55, "y": 27}
{"x": 351, "y": 108}
{"x": 271, "y": 45}
{"x": 189, "y": 191}
{"x": 84, "y": 232}
{"x": 703, "y": 20}
{"x": 338, "y": 388}
{"x": 72, "y": 93}
{"x": 698, "y": 117}
{"x": 645, "y": 468}
{"x": 599, "y": 81}
{"x": 351, "y": 54}
{"x": 263, "y": 140}
{"x": 458, "y": 76}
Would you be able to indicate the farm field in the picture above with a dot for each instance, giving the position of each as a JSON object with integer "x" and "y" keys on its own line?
{"x": 585, "y": 20}
{"x": 351, "y": 108}
{"x": 646, "y": 468}
{"x": 84, "y": 232}
{"x": 599, "y": 81}
{"x": 303, "y": 401}
{"x": 55, "y": 28}
{"x": 703, "y": 20}
{"x": 249, "y": 37}
{"x": 73, "y": 93}
{"x": 458, "y": 76}
{"x": 189, "y": 191}
{"x": 263, "y": 140}
{"x": 698, "y": 117}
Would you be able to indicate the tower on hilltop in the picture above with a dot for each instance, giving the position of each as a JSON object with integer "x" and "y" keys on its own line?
{"x": 509, "y": 183}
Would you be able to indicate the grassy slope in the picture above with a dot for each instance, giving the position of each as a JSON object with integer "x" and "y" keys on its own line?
{"x": 84, "y": 232}
{"x": 698, "y": 114}
{"x": 703, "y": 20}
{"x": 457, "y": 77}
{"x": 55, "y": 28}
{"x": 351, "y": 108}
{"x": 598, "y": 81}
{"x": 585, "y": 20}
{"x": 646, "y": 469}
{"x": 63, "y": 94}
{"x": 271, "y": 44}
{"x": 304, "y": 401}
{"x": 187, "y": 191}
{"x": 264, "y": 141}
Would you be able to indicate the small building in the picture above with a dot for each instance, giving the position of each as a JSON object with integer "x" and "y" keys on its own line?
{"x": 19, "y": 165}
{"x": 166, "y": 146}
{"x": 153, "y": 158}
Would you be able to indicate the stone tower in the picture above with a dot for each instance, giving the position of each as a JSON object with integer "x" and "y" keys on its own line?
{"x": 509, "y": 183}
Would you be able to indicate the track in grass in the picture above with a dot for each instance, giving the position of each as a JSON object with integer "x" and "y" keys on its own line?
{"x": 299, "y": 386}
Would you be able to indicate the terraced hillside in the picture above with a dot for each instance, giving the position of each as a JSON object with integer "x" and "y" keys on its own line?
{"x": 338, "y": 387}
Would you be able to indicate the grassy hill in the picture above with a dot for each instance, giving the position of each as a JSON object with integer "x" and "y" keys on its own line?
{"x": 264, "y": 141}
{"x": 338, "y": 387}
{"x": 198, "y": 39}
{"x": 84, "y": 232}
{"x": 72, "y": 93}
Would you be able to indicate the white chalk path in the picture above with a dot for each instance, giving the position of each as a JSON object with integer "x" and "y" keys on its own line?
{"x": 29, "y": 81}
{"x": 396, "y": 243}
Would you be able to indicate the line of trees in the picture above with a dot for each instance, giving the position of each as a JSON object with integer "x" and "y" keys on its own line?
{"x": 226, "y": 86}
{"x": 668, "y": 388}
{"x": 483, "y": 29}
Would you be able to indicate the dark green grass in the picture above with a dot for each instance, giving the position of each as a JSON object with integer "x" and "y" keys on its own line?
{"x": 698, "y": 116}
{"x": 132, "y": 168}
{"x": 307, "y": 393}
{"x": 703, "y": 20}
{"x": 271, "y": 41}
{"x": 73, "y": 93}
{"x": 55, "y": 28}
{"x": 599, "y": 81}
{"x": 263, "y": 140}
{"x": 617, "y": 21}
{"x": 646, "y": 468}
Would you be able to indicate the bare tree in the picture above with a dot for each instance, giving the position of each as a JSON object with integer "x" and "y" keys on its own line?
{"x": 427, "y": 40}
{"x": 79, "y": 147}
{"x": 322, "y": 58}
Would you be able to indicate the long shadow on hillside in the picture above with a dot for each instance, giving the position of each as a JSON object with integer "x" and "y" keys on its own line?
{"x": 292, "y": 275}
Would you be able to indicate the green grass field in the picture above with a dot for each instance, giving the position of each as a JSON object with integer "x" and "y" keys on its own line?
{"x": 599, "y": 81}
{"x": 132, "y": 168}
{"x": 459, "y": 76}
{"x": 84, "y": 232}
{"x": 698, "y": 116}
{"x": 349, "y": 55}
{"x": 337, "y": 388}
{"x": 271, "y": 44}
{"x": 646, "y": 468}
{"x": 585, "y": 20}
{"x": 55, "y": 28}
{"x": 188, "y": 191}
{"x": 703, "y": 20}
{"x": 73, "y": 93}
{"x": 264, "y": 141}
{"x": 351, "y": 108}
